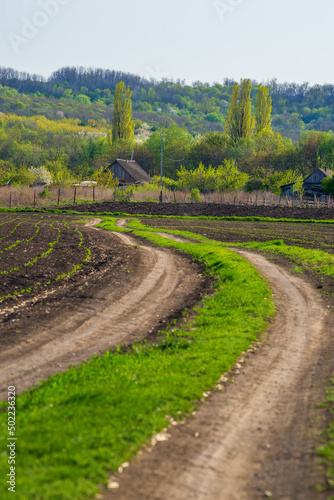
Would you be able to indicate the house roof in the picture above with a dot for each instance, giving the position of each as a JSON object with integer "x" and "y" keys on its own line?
{"x": 134, "y": 169}
{"x": 326, "y": 173}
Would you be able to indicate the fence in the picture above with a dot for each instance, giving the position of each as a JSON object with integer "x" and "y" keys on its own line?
{"x": 23, "y": 196}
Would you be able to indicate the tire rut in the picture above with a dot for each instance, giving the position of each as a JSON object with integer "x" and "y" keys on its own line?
{"x": 104, "y": 321}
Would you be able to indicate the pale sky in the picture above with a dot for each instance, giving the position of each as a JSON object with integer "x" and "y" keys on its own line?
{"x": 207, "y": 40}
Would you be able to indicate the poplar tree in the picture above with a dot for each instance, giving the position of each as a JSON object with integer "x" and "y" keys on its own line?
{"x": 263, "y": 107}
{"x": 239, "y": 121}
{"x": 123, "y": 125}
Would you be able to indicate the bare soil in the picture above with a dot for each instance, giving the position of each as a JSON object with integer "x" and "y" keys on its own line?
{"x": 260, "y": 434}
{"x": 206, "y": 209}
{"x": 124, "y": 293}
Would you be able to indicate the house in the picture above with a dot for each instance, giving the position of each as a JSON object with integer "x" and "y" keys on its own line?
{"x": 312, "y": 183}
{"x": 128, "y": 172}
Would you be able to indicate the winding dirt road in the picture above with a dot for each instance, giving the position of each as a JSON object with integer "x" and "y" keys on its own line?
{"x": 115, "y": 315}
{"x": 258, "y": 437}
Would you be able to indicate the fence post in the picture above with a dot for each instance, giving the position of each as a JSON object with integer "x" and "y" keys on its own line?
{"x": 58, "y": 197}
{"x": 75, "y": 195}
{"x": 10, "y": 200}
{"x": 34, "y": 197}
{"x": 160, "y": 197}
{"x": 93, "y": 193}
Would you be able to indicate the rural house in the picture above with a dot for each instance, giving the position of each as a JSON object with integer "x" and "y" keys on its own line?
{"x": 312, "y": 183}
{"x": 128, "y": 172}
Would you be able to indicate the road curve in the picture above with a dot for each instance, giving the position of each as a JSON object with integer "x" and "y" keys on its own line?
{"x": 105, "y": 320}
{"x": 258, "y": 436}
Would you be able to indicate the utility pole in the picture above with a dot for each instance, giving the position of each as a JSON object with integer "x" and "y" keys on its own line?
{"x": 162, "y": 155}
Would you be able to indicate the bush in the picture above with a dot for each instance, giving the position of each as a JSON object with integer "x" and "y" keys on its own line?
{"x": 195, "y": 196}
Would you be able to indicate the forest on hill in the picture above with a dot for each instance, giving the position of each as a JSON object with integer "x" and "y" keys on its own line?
{"x": 219, "y": 132}
{"x": 88, "y": 94}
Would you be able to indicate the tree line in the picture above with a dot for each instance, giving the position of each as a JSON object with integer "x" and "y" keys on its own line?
{"x": 248, "y": 149}
{"x": 295, "y": 107}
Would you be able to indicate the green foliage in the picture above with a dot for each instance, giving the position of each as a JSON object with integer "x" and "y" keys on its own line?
{"x": 239, "y": 122}
{"x": 263, "y": 107}
{"x": 326, "y": 150}
{"x": 104, "y": 177}
{"x": 195, "y": 196}
{"x": 123, "y": 125}
{"x": 176, "y": 143}
{"x": 166, "y": 182}
{"x": 328, "y": 185}
{"x": 223, "y": 178}
{"x": 41, "y": 175}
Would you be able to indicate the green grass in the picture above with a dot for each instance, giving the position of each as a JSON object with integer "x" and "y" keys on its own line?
{"x": 81, "y": 424}
{"x": 327, "y": 450}
{"x": 311, "y": 259}
{"x": 307, "y": 259}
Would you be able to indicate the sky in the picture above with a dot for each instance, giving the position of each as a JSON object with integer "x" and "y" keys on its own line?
{"x": 191, "y": 40}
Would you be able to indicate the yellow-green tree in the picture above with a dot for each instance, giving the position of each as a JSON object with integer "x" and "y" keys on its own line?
{"x": 123, "y": 125}
{"x": 239, "y": 120}
{"x": 104, "y": 177}
{"x": 263, "y": 107}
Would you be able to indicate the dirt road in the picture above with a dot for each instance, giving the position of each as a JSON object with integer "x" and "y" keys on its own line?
{"x": 259, "y": 436}
{"x": 120, "y": 312}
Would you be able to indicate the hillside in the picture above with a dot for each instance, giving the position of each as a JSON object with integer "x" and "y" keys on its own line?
{"x": 87, "y": 94}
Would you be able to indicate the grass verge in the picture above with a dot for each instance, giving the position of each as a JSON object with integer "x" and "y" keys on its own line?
{"x": 81, "y": 424}
{"x": 315, "y": 261}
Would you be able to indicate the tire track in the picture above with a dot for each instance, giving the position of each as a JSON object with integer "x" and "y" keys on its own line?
{"x": 254, "y": 438}
{"x": 103, "y": 321}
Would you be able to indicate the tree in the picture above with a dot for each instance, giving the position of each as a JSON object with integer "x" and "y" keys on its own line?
{"x": 326, "y": 150}
{"x": 263, "y": 107}
{"x": 328, "y": 185}
{"x": 41, "y": 175}
{"x": 105, "y": 177}
{"x": 123, "y": 125}
{"x": 229, "y": 178}
{"x": 239, "y": 121}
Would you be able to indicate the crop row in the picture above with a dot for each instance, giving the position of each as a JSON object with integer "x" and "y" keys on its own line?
{"x": 304, "y": 235}
{"x": 32, "y": 282}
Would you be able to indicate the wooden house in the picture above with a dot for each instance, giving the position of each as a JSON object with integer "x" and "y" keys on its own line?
{"x": 312, "y": 183}
{"x": 128, "y": 172}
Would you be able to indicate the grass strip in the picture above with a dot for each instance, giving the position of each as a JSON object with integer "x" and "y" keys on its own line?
{"x": 310, "y": 259}
{"x": 327, "y": 450}
{"x": 316, "y": 261}
{"x": 81, "y": 424}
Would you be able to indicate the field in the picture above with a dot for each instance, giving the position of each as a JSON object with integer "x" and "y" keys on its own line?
{"x": 59, "y": 274}
{"x": 46, "y": 261}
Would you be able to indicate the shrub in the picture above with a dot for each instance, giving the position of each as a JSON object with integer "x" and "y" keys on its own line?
{"x": 195, "y": 196}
